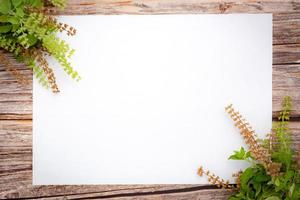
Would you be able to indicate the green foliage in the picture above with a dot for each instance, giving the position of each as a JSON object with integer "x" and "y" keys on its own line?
{"x": 29, "y": 34}
{"x": 283, "y": 152}
{"x": 5, "y": 6}
{"x": 59, "y": 3}
{"x": 255, "y": 183}
{"x": 241, "y": 155}
{"x": 39, "y": 73}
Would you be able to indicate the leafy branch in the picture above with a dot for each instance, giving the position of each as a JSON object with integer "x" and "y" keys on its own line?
{"x": 30, "y": 35}
{"x": 273, "y": 173}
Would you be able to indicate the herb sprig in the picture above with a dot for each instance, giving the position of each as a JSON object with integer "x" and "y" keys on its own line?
{"x": 30, "y": 34}
{"x": 274, "y": 173}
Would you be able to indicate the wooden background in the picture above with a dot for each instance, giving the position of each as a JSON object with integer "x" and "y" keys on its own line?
{"x": 16, "y": 101}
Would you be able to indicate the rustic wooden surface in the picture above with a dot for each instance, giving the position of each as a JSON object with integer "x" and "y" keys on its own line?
{"x": 16, "y": 100}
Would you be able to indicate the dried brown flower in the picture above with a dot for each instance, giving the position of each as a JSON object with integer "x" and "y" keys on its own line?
{"x": 271, "y": 141}
{"x": 258, "y": 151}
{"x": 215, "y": 180}
{"x": 47, "y": 70}
{"x": 65, "y": 27}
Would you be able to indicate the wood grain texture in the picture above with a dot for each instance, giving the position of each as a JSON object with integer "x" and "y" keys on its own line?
{"x": 16, "y": 100}
{"x": 178, "y": 6}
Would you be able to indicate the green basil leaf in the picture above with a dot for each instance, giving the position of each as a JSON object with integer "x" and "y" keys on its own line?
{"x": 4, "y": 18}
{"x": 245, "y": 177}
{"x": 36, "y": 3}
{"x": 273, "y": 198}
{"x": 261, "y": 178}
{"x": 5, "y": 28}
{"x": 9, "y": 19}
{"x": 20, "y": 12}
{"x": 291, "y": 190}
{"x": 32, "y": 40}
{"x": 240, "y": 155}
{"x": 16, "y": 3}
{"x": 277, "y": 182}
{"x": 15, "y": 27}
{"x": 257, "y": 187}
{"x": 5, "y": 6}
{"x": 13, "y": 20}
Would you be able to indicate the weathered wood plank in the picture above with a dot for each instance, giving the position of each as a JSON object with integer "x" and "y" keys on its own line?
{"x": 15, "y": 134}
{"x": 286, "y": 13}
{"x": 286, "y": 17}
{"x": 178, "y": 6}
{"x": 286, "y": 28}
{"x": 286, "y": 54}
{"x": 286, "y": 82}
{"x": 154, "y": 192}
{"x": 16, "y": 173}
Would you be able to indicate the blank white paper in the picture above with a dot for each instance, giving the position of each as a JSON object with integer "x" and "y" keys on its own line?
{"x": 150, "y": 106}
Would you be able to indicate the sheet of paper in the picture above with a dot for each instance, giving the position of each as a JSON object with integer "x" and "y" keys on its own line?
{"x": 150, "y": 106}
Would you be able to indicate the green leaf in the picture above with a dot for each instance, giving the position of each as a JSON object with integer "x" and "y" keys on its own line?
{"x": 35, "y": 3}
{"x": 16, "y": 3}
{"x": 20, "y": 12}
{"x": 13, "y": 20}
{"x": 14, "y": 27}
{"x": 273, "y": 198}
{"x": 291, "y": 190}
{"x": 233, "y": 198}
{"x": 257, "y": 187}
{"x": 5, "y": 28}
{"x": 4, "y": 18}
{"x": 5, "y": 6}
{"x": 240, "y": 155}
{"x": 277, "y": 182}
{"x": 245, "y": 177}
{"x": 31, "y": 40}
{"x": 261, "y": 177}
{"x": 9, "y": 19}
{"x": 289, "y": 175}
{"x": 59, "y": 3}
{"x": 296, "y": 193}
